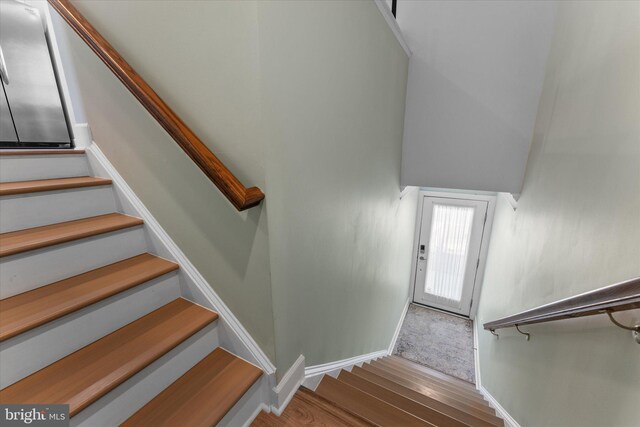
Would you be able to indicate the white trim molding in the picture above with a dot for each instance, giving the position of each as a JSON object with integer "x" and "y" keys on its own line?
{"x": 393, "y": 24}
{"x": 508, "y": 419}
{"x": 502, "y": 413}
{"x": 236, "y": 337}
{"x": 287, "y": 387}
{"x": 313, "y": 374}
{"x": 394, "y": 338}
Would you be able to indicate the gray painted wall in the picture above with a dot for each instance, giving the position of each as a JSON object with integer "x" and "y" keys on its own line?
{"x": 304, "y": 99}
{"x": 334, "y": 79}
{"x": 576, "y": 228}
{"x": 475, "y": 79}
{"x": 204, "y": 63}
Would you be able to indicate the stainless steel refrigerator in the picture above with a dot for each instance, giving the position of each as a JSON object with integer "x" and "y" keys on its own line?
{"x": 31, "y": 109}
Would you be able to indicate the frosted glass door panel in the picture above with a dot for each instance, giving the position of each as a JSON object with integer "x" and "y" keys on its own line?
{"x": 451, "y": 232}
{"x": 448, "y": 251}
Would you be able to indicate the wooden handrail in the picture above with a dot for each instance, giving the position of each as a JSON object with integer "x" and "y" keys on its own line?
{"x": 618, "y": 297}
{"x": 240, "y": 196}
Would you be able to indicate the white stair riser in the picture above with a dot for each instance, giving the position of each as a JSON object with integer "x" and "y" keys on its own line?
{"x": 246, "y": 409}
{"x": 122, "y": 402}
{"x": 29, "y": 270}
{"x": 24, "y": 211}
{"x": 29, "y": 168}
{"x": 33, "y": 350}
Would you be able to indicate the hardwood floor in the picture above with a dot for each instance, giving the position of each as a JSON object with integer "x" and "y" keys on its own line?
{"x": 309, "y": 409}
{"x": 389, "y": 392}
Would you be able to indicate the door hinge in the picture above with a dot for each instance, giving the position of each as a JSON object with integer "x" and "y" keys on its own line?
{"x": 471, "y": 305}
{"x": 478, "y": 264}
{"x": 485, "y": 217}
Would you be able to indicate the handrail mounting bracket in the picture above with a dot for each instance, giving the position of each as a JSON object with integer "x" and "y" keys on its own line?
{"x": 635, "y": 329}
{"x": 528, "y": 335}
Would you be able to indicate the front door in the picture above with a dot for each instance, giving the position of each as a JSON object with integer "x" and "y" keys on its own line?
{"x": 451, "y": 233}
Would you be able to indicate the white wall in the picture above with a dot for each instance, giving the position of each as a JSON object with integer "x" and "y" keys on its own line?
{"x": 334, "y": 81}
{"x": 576, "y": 228}
{"x": 475, "y": 78}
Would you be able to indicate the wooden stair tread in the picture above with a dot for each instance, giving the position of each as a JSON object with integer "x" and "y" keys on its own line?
{"x": 439, "y": 402}
{"x": 36, "y": 152}
{"x": 429, "y": 380}
{"x": 309, "y": 409}
{"x": 314, "y": 399}
{"x": 269, "y": 419}
{"x": 430, "y": 371}
{"x": 15, "y": 242}
{"x": 423, "y": 412}
{"x": 368, "y": 407}
{"x": 427, "y": 389}
{"x": 202, "y": 396}
{"x": 431, "y": 384}
{"x": 30, "y": 309}
{"x": 24, "y": 187}
{"x": 89, "y": 373}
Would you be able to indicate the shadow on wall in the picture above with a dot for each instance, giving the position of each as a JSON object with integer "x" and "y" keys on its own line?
{"x": 461, "y": 156}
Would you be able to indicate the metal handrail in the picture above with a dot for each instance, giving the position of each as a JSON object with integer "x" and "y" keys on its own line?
{"x": 609, "y": 299}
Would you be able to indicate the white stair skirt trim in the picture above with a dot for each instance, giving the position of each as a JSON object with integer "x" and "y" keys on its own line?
{"x": 288, "y": 385}
{"x": 508, "y": 419}
{"x": 393, "y": 24}
{"x": 476, "y": 357}
{"x": 394, "y": 339}
{"x": 262, "y": 407}
{"x": 313, "y": 374}
{"x": 103, "y": 167}
{"x": 502, "y": 413}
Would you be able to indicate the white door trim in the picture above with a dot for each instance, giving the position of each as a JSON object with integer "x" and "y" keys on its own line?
{"x": 484, "y": 246}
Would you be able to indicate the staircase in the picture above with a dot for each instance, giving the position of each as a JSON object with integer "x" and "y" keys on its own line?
{"x": 90, "y": 317}
{"x": 390, "y": 391}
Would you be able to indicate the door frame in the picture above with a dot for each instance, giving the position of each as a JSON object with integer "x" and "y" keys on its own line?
{"x": 488, "y": 197}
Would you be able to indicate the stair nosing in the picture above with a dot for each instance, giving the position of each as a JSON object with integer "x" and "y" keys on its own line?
{"x": 482, "y": 406}
{"x": 65, "y": 310}
{"x": 448, "y": 402}
{"x": 41, "y": 152}
{"x": 408, "y": 364}
{"x": 307, "y": 395}
{"x": 180, "y": 385}
{"x": 41, "y": 185}
{"x": 341, "y": 405}
{"x": 345, "y": 377}
{"x": 84, "y": 401}
{"x": 442, "y": 383}
{"x": 43, "y": 243}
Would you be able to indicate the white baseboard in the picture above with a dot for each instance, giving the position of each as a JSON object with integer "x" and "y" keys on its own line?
{"x": 476, "y": 356}
{"x": 255, "y": 414}
{"x": 287, "y": 387}
{"x": 398, "y": 327}
{"x": 502, "y": 413}
{"x": 313, "y": 374}
{"x": 166, "y": 247}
